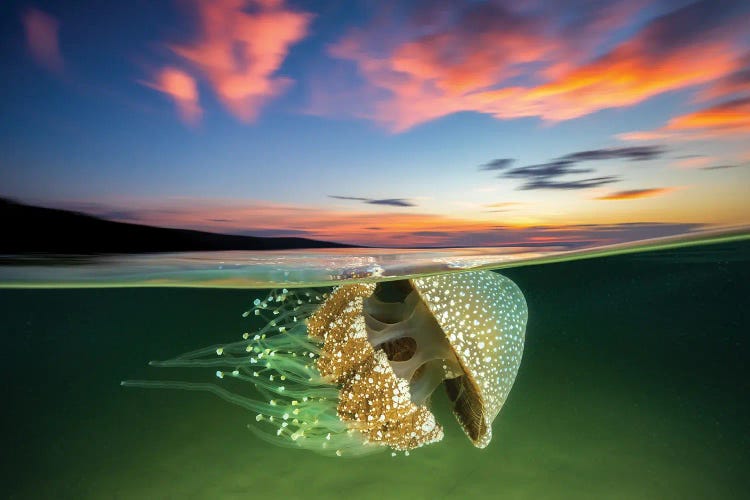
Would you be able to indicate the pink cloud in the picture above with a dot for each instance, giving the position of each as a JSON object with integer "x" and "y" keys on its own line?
{"x": 734, "y": 84}
{"x": 242, "y": 45}
{"x": 513, "y": 63}
{"x": 182, "y": 89}
{"x": 42, "y": 39}
{"x": 695, "y": 162}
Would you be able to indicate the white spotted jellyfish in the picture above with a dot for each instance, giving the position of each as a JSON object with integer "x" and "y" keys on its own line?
{"x": 352, "y": 371}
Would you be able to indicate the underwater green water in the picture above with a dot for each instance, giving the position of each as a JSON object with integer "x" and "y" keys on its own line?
{"x": 634, "y": 384}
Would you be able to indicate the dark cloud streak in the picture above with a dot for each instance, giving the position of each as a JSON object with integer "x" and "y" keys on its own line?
{"x": 545, "y": 170}
{"x": 393, "y": 202}
{"x": 632, "y": 153}
{"x": 354, "y": 198}
{"x": 723, "y": 167}
{"x": 569, "y": 185}
{"x": 689, "y": 157}
{"x": 498, "y": 164}
{"x": 548, "y": 175}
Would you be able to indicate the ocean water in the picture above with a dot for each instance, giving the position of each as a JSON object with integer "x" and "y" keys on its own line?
{"x": 634, "y": 384}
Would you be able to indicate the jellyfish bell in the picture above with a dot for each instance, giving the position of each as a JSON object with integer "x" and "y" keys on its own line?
{"x": 352, "y": 371}
{"x": 483, "y": 314}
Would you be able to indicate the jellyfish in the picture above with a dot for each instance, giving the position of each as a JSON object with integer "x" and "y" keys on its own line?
{"x": 352, "y": 371}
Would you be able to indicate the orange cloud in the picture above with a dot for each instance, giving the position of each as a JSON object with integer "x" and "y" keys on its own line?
{"x": 727, "y": 119}
{"x": 505, "y": 63}
{"x": 632, "y": 194}
{"x": 731, "y": 116}
{"x": 239, "y": 51}
{"x": 182, "y": 89}
{"x": 503, "y": 204}
{"x": 42, "y": 39}
{"x": 626, "y": 76}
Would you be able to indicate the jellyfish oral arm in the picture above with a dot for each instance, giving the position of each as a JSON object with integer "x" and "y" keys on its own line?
{"x": 416, "y": 346}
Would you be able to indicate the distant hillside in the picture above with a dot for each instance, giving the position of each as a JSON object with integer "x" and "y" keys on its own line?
{"x": 29, "y": 229}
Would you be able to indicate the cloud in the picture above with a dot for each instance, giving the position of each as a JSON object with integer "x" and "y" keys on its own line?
{"x": 737, "y": 82}
{"x": 727, "y": 119}
{"x": 42, "y": 39}
{"x": 498, "y": 164}
{"x": 730, "y": 116}
{"x": 355, "y": 198}
{"x": 182, "y": 89}
{"x": 554, "y": 168}
{"x": 545, "y": 175}
{"x": 242, "y": 45}
{"x": 546, "y": 183}
{"x": 398, "y": 229}
{"x": 548, "y": 175}
{"x": 394, "y": 202}
{"x": 632, "y": 194}
{"x": 512, "y": 61}
{"x": 694, "y": 161}
{"x": 723, "y": 167}
{"x": 503, "y": 204}
{"x": 690, "y": 156}
{"x": 632, "y": 153}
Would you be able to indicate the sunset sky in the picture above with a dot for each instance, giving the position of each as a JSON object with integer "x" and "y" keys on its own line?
{"x": 429, "y": 123}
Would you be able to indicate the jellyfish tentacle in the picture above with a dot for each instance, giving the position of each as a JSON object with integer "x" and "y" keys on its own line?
{"x": 278, "y": 361}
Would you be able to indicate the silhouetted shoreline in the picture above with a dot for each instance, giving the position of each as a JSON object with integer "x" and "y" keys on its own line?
{"x": 30, "y": 229}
